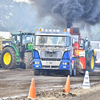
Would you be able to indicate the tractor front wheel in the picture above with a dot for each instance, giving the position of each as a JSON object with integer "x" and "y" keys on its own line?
{"x": 8, "y": 58}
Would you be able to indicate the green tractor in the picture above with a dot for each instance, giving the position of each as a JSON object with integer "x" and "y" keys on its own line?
{"x": 18, "y": 51}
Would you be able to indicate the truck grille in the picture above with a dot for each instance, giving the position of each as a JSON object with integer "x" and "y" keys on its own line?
{"x": 53, "y": 54}
{"x": 50, "y": 67}
{"x": 51, "y": 59}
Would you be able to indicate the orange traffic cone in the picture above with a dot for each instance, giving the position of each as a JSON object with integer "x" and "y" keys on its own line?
{"x": 67, "y": 86}
{"x": 32, "y": 94}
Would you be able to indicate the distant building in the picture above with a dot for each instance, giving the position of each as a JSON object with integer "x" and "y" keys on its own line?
{"x": 5, "y": 35}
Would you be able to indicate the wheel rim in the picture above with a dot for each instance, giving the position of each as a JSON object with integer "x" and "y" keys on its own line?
{"x": 92, "y": 62}
{"x": 80, "y": 65}
{"x": 80, "y": 68}
{"x": 7, "y": 58}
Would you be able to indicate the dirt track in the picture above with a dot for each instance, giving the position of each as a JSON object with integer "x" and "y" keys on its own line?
{"x": 17, "y": 82}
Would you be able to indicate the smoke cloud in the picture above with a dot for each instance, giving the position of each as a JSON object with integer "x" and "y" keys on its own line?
{"x": 68, "y": 11}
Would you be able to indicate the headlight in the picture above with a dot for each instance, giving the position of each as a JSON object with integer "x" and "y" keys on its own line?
{"x": 36, "y": 62}
{"x": 64, "y": 63}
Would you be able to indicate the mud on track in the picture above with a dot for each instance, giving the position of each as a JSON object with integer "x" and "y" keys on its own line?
{"x": 17, "y": 82}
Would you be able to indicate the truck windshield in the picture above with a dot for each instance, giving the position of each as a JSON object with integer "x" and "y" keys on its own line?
{"x": 53, "y": 40}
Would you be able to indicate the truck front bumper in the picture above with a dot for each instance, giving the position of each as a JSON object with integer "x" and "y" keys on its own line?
{"x": 62, "y": 65}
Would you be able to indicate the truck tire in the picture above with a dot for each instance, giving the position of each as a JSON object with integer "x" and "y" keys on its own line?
{"x": 28, "y": 59}
{"x": 67, "y": 72}
{"x": 8, "y": 58}
{"x": 36, "y": 72}
{"x": 46, "y": 72}
{"x": 70, "y": 70}
{"x": 90, "y": 62}
{"x": 74, "y": 70}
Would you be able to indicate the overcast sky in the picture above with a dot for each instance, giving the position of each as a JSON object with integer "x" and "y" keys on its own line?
{"x": 35, "y": 21}
{"x": 22, "y": 1}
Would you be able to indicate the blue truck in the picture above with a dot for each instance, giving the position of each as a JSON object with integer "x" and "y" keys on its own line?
{"x": 53, "y": 51}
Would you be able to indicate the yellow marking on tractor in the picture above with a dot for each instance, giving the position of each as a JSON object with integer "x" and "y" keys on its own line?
{"x": 95, "y": 53}
{"x": 0, "y": 43}
{"x": 30, "y": 44}
{"x": 92, "y": 62}
{"x": 7, "y": 58}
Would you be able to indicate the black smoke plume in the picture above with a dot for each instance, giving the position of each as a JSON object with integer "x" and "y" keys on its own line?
{"x": 68, "y": 11}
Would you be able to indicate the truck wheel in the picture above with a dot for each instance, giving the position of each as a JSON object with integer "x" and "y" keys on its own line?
{"x": 28, "y": 60}
{"x": 90, "y": 62}
{"x": 71, "y": 70}
{"x": 36, "y": 72}
{"x": 74, "y": 70}
{"x": 67, "y": 72}
{"x": 46, "y": 72}
{"x": 8, "y": 58}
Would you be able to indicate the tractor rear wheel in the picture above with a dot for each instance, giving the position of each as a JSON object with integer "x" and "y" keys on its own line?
{"x": 28, "y": 60}
{"x": 8, "y": 58}
{"x": 90, "y": 62}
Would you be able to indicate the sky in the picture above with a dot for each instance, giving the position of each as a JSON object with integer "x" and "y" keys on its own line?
{"x": 22, "y": 1}
{"x": 46, "y": 22}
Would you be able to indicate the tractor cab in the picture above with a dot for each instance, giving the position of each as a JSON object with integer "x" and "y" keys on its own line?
{"x": 23, "y": 41}
{"x": 75, "y": 32}
{"x": 82, "y": 52}
{"x": 79, "y": 44}
{"x": 85, "y": 44}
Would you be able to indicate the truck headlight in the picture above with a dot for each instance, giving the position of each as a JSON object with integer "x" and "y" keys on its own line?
{"x": 64, "y": 63}
{"x": 36, "y": 62}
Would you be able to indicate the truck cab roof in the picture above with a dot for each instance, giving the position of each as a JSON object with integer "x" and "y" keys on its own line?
{"x": 42, "y": 33}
